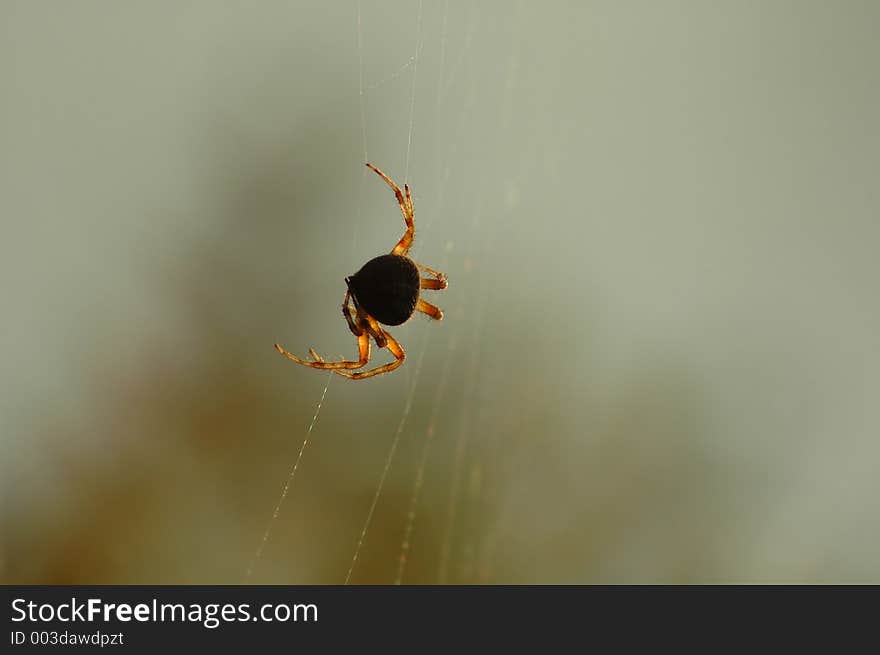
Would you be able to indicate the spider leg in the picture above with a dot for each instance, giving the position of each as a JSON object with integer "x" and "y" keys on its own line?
{"x": 363, "y": 351}
{"x": 396, "y": 350}
{"x": 349, "y": 316}
{"x": 430, "y": 283}
{"x": 377, "y": 332}
{"x": 406, "y": 208}
{"x": 409, "y": 214}
{"x": 427, "y": 308}
{"x": 440, "y": 278}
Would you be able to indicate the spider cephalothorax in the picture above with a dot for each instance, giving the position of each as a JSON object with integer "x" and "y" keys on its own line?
{"x": 385, "y": 290}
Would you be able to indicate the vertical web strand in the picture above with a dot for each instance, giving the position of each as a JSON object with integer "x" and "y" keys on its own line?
{"x": 408, "y": 405}
{"x": 423, "y": 460}
{"x": 412, "y": 100}
{"x": 388, "y": 459}
{"x": 418, "y": 483}
{"x": 362, "y": 100}
{"x": 259, "y": 552}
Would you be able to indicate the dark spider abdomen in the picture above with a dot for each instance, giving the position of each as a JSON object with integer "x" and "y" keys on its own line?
{"x": 387, "y": 288}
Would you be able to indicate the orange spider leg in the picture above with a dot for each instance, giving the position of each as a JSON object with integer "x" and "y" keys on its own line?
{"x": 440, "y": 277}
{"x": 373, "y": 328}
{"x": 363, "y": 351}
{"x": 427, "y": 308}
{"x": 349, "y": 316}
{"x": 396, "y": 350}
{"x": 406, "y": 208}
{"x": 428, "y": 283}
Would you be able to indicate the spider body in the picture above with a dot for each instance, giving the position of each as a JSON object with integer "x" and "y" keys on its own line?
{"x": 386, "y": 290}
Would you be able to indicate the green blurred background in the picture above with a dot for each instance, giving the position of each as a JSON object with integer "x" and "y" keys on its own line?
{"x": 660, "y": 360}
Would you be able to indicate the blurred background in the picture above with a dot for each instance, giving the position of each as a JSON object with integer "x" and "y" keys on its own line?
{"x": 660, "y": 360}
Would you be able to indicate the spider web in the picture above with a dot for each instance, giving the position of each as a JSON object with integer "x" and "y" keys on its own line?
{"x": 659, "y": 360}
{"x": 428, "y": 434}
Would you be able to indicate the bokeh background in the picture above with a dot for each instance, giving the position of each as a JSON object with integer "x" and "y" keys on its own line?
{"x": 660, "y": 360}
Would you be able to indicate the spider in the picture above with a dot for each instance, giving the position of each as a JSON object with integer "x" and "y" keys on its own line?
{"x": 385, "y": 290}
